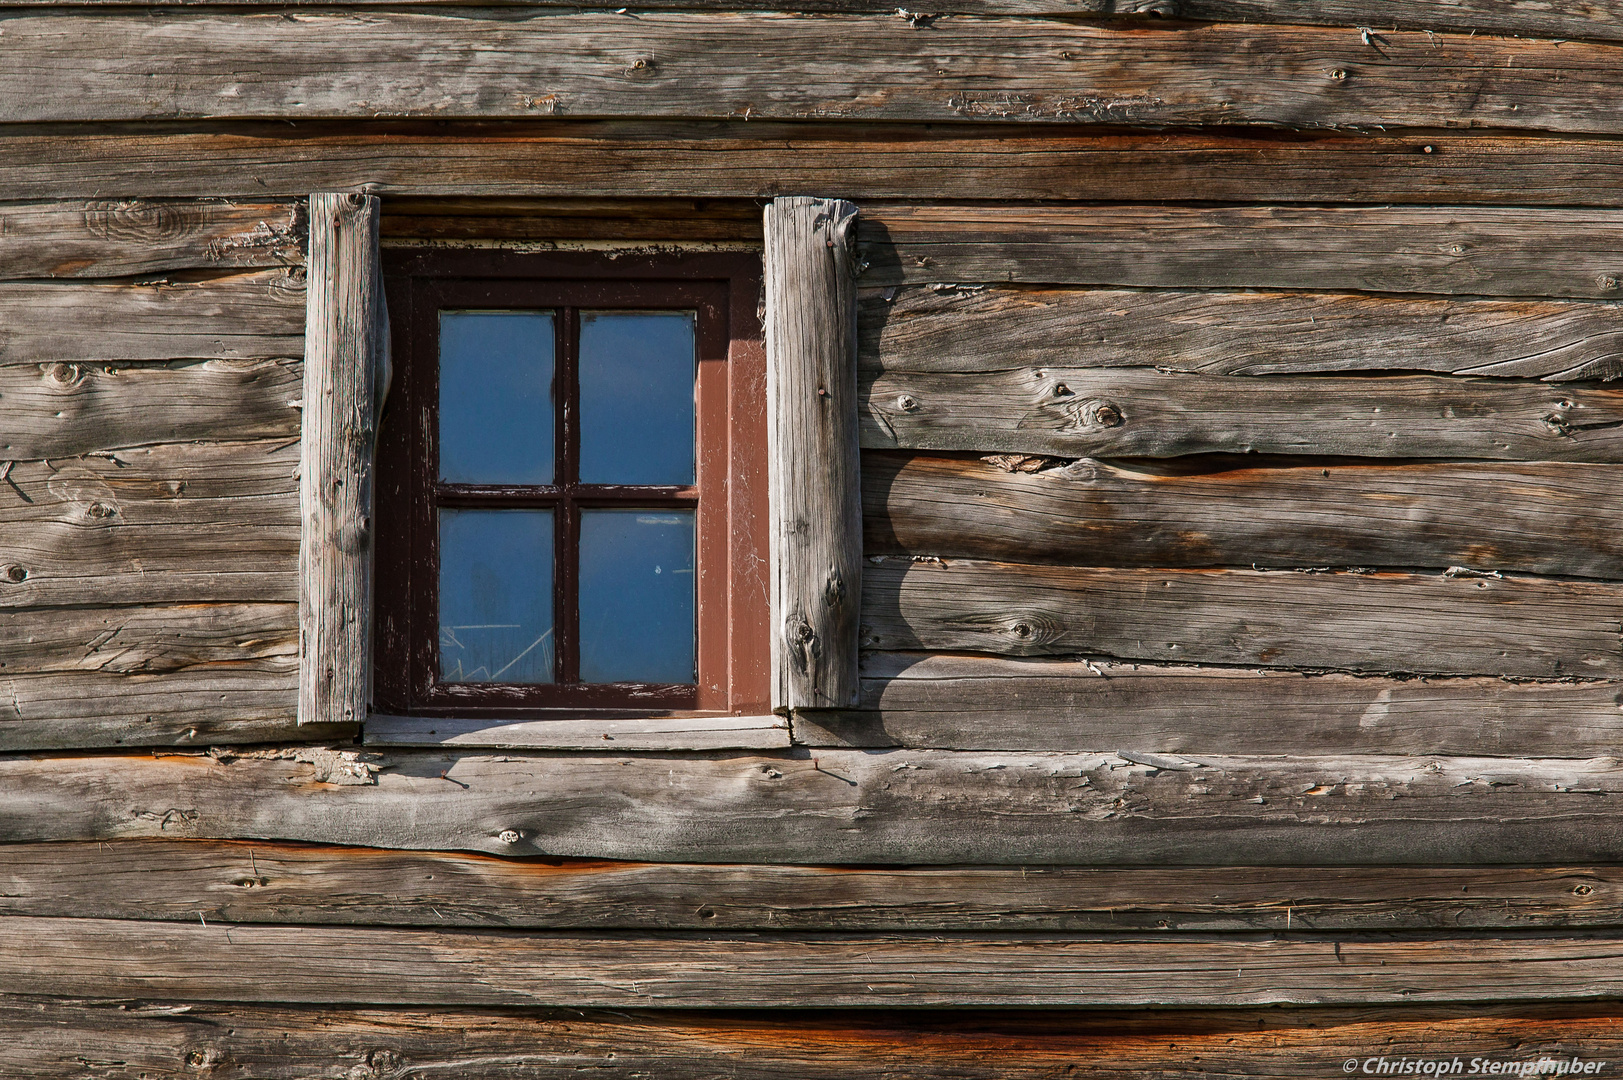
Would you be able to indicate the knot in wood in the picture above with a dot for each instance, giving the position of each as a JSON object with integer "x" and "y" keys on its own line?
{"x": 1107, "y": 415}
{"x": 1583, "y": 890}
{"x": 1607, "y": 282}
{"x": 1338, "y": 74}
{"x": 14, "y": 573}
{"x": 509, "y": 836}
{"x": 906, "y": 404}
{"x": 65, "y": 374}
{"x": 100, "y": 510}
{"x": 642, "y": 67}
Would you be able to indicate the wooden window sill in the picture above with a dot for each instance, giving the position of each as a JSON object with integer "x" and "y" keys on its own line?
{"x": 634, "y": 733}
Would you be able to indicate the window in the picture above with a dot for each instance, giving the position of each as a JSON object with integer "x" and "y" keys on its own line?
{"x": 571, "y": 478}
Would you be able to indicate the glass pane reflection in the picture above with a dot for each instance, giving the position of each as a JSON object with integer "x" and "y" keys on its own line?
{"x": 636, "y": 596}
{"x": 496, "y": 406}
{"x": 637, "y": 371}
{"x": 496, "y": 596}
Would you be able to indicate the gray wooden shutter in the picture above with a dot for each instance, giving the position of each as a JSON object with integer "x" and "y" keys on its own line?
{"x": 816, "y": 501}
{"x": 346, "y": 372}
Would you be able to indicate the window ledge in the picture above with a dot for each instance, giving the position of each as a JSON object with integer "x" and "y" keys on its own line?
{"x": 639, "y": 733}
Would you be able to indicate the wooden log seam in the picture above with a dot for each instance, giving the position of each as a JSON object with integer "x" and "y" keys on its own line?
{"x": 814, "y": 477}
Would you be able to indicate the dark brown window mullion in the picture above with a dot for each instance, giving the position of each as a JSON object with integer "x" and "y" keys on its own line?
{"x": 566, "y": 564}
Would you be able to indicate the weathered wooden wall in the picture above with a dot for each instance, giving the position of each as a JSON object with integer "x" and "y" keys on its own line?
{"x": 1242, "y": 605}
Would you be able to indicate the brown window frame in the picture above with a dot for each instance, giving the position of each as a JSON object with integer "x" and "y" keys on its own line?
{"x": 729, "y": 495}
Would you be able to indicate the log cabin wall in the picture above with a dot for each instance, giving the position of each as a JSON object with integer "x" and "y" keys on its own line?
{"x": 1310, "y": 321}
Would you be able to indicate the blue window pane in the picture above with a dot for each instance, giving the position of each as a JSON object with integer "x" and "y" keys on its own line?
{"x": 496, "y": 596}
{"x": 636, "y": 397}
{"x": 496, "y": 397}
{"x": 636, "y": 596}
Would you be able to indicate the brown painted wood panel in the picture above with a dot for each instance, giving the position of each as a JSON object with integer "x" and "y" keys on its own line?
{"x": 897, "y": 807}
{"x": 503, "y": 63}
{"x": 266, "y": 882}
{"x": 117, "y": 238}
{"x": 937, "y": 329}
{"x": 1477, "y": 251}
{"x": 996, "y": 703}
{"x": 1141, "y": 412}
{"x": 1548, "y": 518}
{"x": 50, "y": 1039}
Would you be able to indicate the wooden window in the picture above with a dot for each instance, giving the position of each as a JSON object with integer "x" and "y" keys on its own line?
{"x": 572, "y": 490}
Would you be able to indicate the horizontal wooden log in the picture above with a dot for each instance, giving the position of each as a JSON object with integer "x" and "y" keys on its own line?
{"x": 155, "y": 524}
{"x": 761, "y": 159}
{"x": 243, "y": 316}
{"x": 370, "y": 965}
{"x": 260, "y": 882}
{"x": 1140, "y": 412}
{"x": 49, "y": 1039}
{"x": 920, "y": 328}
{"x": 1478, "y": 251}
{"x": 1548, "y": 518}
{"x": 987, "y": 703}
{"x": 1386, "y": 622}
{"x": 118, "y": 238}
{"x": 146, "y": 640}
{"x": 899, "y": 807}
{"x": 647, "y": 733}
{"x": 517, "y": 64}
{"x": 728, "y": 221}
{"x": 61, "y": 410}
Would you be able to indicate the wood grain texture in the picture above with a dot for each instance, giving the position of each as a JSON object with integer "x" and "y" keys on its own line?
{"x": 244, "y": 316}
{"x": 147, "y": 639}
{"x": 55, "y": 1038}
{"x": 1140, "y": 412}
{"x": 1478, "y": 251}
{"x": 896, "y": 807}
{"x": 644, "y": 733}
{"x": 1548, "y": 518}
{"x": 938, "y": 329}
{"x": 117, "y": 238}
{"x": 346, "y": 375}
{"x": 372, "y": 966}
{"x": 528, "y": 63}
{"x": 1384, "y": 622}
{"x": 154, "y": 524}
{"x": 921, "y": 700}
{"x": 65, "y": 410}
{"x": 261, "y": 882}
{"x": 762, "y": 159}
{"x": 813, "y": 473}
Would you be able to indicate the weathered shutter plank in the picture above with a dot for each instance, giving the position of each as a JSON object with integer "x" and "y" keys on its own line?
{"x": 816, "y": 507}
{"x": 345, "y": 374}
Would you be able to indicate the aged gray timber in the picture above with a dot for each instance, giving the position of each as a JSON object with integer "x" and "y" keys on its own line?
{"x": 813, "y": 475}
{"x": 152, "y": 524}
{"x": 1140, "y": 412}
{"x": 116, "y": 238}
{"x": 261, "y": 882}
{"x": 63, "y": 410}
{"x": 937, "y": 329}
{"x": 1390, "y": 621}
{"x": 1548, "y": 518}
{"x": 346, "y": 375}
{"x": 371, "y": 965}
{"x": 53, "y": 1039}
{"x": 641, "y": 733}
{"x": 922, "y": 700}
{"x": 147, "y": 639}
{"x": 1483, "y": 251}
{"x": 506, "y": 63}
{"x": 761, "y": 159}
{"x": 258, "y": 314}
{"x": 906, "y": 807}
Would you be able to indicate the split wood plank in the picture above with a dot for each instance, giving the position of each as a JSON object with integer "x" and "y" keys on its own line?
{"x": 55, "y": 1038}
{"x": 243, "y": 316}
{"x": 994, "y": 703}
{"x": 119, "y": 238}
{"x": 1483, "y": 251}
{"x": 895, "y": 807}
{"x": 504, "y": 63}
{"x": 346, "y": 375}
{"x": 813, "y": 470}
{"x": 1139, "y": 412}
{"x": 260, "y": 882}
{"x": 148, "y": 639}
{"x": 939, "y": 329}
{"x": 1382, "y": 622}
{"x": 65, "y": 410}
{"x": 381, "y": 966}
{"x": 155, "y": 524}
{"x": 1548, "y": 517}
{"x": 761, "y": 159}
{"x": 641, "y": 733}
